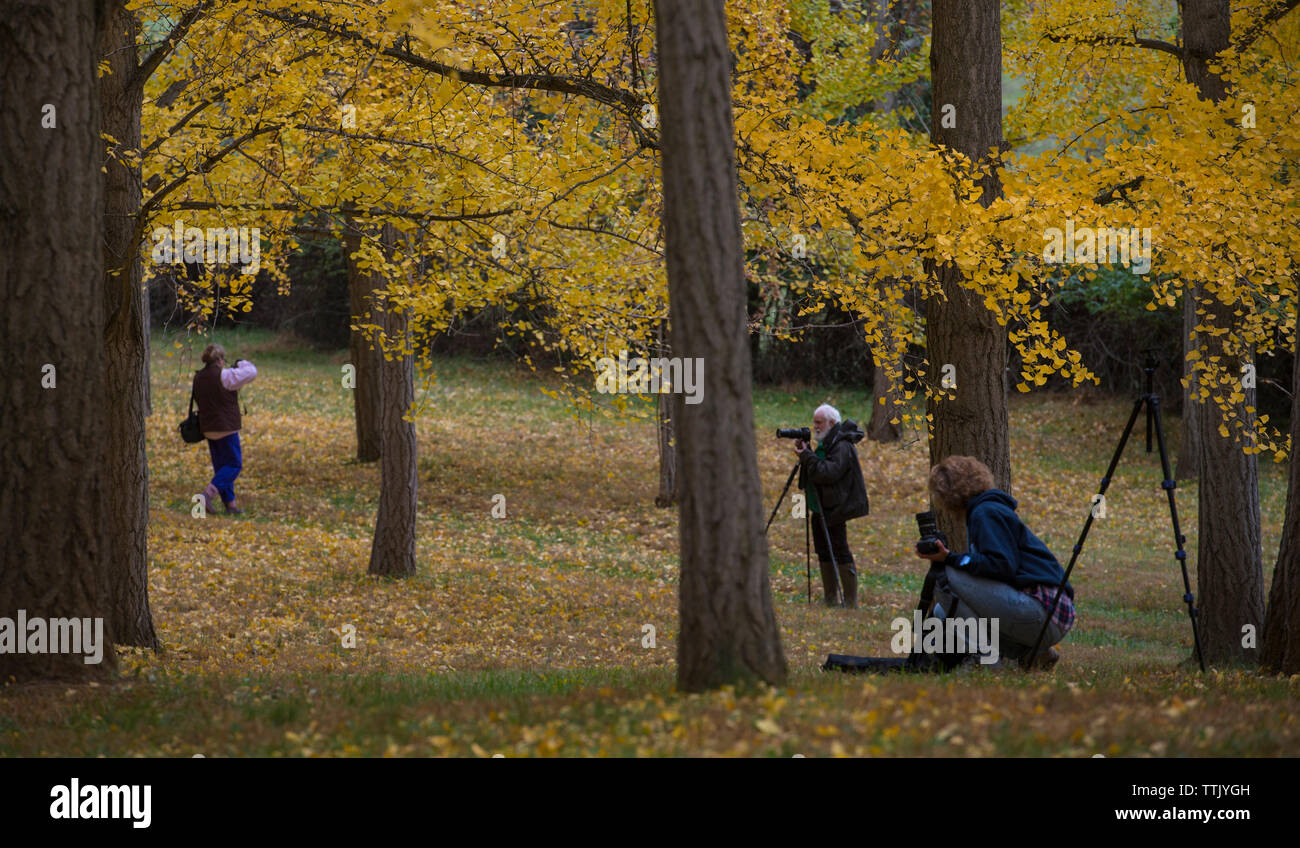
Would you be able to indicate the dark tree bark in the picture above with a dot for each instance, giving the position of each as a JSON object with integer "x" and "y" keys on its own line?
{"x": 1206, "y": 31}
{"x": 54, "y": 562}
{"x": 1189, "y": 452}
{"x": 126, "y": 340}
{"x": 884, "y": 412}
{"x": 392, "y": 554}
{"x": 1280, "y": 641}
{"x": 1229, "y": 563}
{"x": 728, "y": 628}
{"x": 667, "y": 447}
{"x": 966, "y": 72}
{"x": 667, "y": 453}
{"x": 364, "y": 356}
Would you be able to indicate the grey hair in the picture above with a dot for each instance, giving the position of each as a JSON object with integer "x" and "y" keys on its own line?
{"x": 831, "y": 412}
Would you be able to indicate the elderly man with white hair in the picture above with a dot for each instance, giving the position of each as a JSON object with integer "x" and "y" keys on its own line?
{"x": 836, "y": 493}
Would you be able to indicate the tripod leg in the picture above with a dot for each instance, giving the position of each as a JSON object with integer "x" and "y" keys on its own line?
{"x": 788, "y": 481}
{"x": 1169, "y": 485}
{"x": 1087, "y": 525}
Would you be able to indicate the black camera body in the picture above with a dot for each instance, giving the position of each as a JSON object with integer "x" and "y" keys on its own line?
{"x": 930, "y": 535}
{"x": 801, "y": 433}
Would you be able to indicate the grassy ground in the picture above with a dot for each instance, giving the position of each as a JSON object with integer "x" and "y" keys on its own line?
{"x": 525, "y": 635}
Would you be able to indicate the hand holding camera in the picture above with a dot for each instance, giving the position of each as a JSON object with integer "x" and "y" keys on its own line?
{"x": 801, "y": 435}
{"x": 933, "y": 545}
{"x": 935, "y": 556}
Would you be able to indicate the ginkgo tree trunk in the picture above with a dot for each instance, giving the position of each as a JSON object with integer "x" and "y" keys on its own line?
{"x": 126, "y": 342}
{"x": 392, "y": 553}
{"x": 1189, "y": 450}
{"x": 967, "y": 347}
{"x": 667, "y": 445}
{"x": 1280, "y": 643}
{"x": 1229, "y": 562}
{"x": 126, "y": 335}
{"x": 728, "y": 627}
{"x": 55, "y": 557}
{"x": 366, "y": 359}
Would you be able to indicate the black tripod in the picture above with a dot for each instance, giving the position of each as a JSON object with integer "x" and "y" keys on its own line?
{"x": 807, "y": 532}
{"x": 1151, "y": 401}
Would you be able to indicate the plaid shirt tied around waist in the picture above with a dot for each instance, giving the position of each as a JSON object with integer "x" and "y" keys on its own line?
{"x": 1044, "y": 594}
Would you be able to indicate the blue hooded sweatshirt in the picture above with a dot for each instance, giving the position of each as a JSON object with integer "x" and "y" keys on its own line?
{"x": 1002, "y": 548}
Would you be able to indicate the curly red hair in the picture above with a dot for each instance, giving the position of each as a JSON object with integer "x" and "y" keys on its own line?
{"x": 957, "y": 479}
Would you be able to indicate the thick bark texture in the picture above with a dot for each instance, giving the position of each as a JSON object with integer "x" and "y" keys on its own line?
{"x": 1189, "y": 452}
{"x": 392, "y": 554}
{"x": 1280, "y": 642}
{"x": 54, "y": 562}
{"x": 966, "y": 73}
{"x": 667, "y": 454}
{"x": 1229, "y": 563}
{"x": 728, "y": 627}
{"x": 126, "y": 341}
{"x": 667, "y": 446}
{"x": 365, "y": 357}
{"x": 884, "y": 412}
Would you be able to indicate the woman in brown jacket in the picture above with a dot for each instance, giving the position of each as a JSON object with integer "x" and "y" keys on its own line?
{"x": 216, "y": 391}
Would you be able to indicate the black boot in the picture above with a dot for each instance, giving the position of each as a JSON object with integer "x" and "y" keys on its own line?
{"x": 849, "y": 580}
{"x": 830, "y": 589}
{"x": 1043, "y": 661}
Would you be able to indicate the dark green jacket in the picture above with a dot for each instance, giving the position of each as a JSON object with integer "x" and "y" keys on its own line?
{"x": 834, "y": 471}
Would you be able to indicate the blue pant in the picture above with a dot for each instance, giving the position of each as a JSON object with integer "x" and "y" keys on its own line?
{"x": 227, "y": 462}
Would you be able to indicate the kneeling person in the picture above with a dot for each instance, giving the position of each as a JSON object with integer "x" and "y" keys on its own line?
{"x": 1007, "y": 572}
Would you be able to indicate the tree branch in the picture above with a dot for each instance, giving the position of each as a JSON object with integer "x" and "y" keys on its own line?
{"x": 605, "y": 232}
{"x": 401, "y": 142}
{"x": 216, "y": 97}
{"x": 1134, "y": 41}
{"x": 202, "y": 168}
{"x": 372, "y": 212}
{"x": 1109, "y": 195}
{"x": 1255, "y": 30}
{"x": 142, "y": 215}
{"x": 163, "y": 50}
{"x": 624, "y": 101}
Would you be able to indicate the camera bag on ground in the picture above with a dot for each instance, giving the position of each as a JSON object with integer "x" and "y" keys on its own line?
{"x": 917, "y": 662}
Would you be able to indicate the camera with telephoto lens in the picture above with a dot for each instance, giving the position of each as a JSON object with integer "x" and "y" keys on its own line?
{"x": 930, "y": 534}
{"x": 801, "y": 433}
